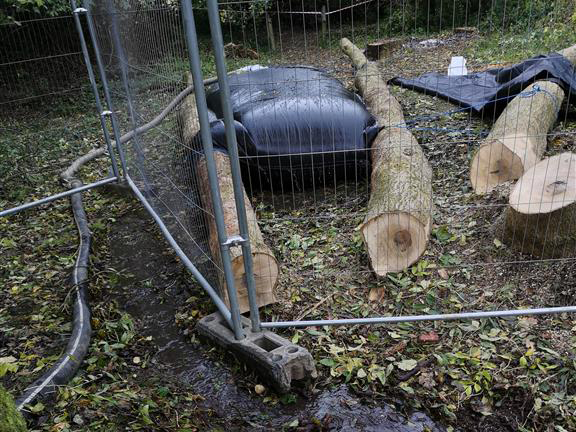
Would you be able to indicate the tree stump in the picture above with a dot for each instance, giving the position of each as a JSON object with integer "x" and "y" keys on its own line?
{"x": 541, "y": 218}
{"x": 382, "y": 48}
{"x": 465, "y": 30}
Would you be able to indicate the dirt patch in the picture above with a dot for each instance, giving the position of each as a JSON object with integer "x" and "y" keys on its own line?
{"x": 152, "y": 288}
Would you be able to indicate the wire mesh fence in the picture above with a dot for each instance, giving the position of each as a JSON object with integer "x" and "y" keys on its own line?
{"x": 143, "y": 52}
{"x": 314, "y": 183}
{"x": 46, "y": 107}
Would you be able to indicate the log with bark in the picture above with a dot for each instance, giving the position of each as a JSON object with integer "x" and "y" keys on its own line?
{"x": 399, "y": 213}
{"x": 541, "y": 217}
{"x": 264, "y": 262}
{"x": 519, "y": 137}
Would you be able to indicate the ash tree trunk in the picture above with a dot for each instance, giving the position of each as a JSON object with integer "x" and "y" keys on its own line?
{"x": 265, "y": 265}
{"x": 399, "y": 213}
{"x": 518, "y": 139}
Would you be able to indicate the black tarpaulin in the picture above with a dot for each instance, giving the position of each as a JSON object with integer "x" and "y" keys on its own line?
{"x": 294, "y": 119}
{"x": 494, "y": 88}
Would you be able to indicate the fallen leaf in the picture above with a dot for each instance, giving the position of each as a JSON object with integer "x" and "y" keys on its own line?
{"x": 426, "y": 380}
{"x": 377, "y": 294}
{"x": 443, "y": 274}
{"x": 430, "y": 337}
{"x": 406, "y": 365}
{"x": 396, "y": 348}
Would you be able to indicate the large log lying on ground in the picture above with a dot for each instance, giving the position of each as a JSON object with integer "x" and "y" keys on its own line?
{"x": 541, "y": 218}
{"x": 518, "y": 138}
{"x": 265, "y": 264}
{"x": 399, "y": 214}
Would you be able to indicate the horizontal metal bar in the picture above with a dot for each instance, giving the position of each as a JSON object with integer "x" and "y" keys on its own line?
{"x": 51, "y": 198}
{"x": 412, "y": 318}
{"x": 224, "y": 311}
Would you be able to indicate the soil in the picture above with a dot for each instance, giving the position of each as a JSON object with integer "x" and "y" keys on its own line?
{"x": 153, "y": 287}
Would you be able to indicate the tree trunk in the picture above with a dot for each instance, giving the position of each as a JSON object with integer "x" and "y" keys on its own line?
{"x": 518, "y": 138}
{"x": 399, "y": 213}
{"x": 265, "y": 264}
{"x": 541, "y": 218}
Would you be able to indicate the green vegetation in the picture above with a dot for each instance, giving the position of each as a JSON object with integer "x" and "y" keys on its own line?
{"x": 10, "y": 419}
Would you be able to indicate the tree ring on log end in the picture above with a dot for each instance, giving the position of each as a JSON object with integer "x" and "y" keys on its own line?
{"x": 494, "y": 164}
{"x": 547, "y": 186}
{"x": 395, "y": 241}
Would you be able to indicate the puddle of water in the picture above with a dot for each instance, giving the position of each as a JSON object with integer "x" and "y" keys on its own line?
{"x": 136, "y": 250}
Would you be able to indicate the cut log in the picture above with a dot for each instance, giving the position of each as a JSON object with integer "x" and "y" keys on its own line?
{"x": 399, "y": 213}
{"x": 518, "y": 139}
{"x": 265, "y": 264}
{"x": 465, "y": 30}
{"x": 382, "y": 48}
{"x": 541, "y": 218}
{"x": 569, "y": 53}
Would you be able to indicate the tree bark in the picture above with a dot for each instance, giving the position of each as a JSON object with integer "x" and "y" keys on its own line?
{"x": 265, "y": 264}
{"x": 518, "y": 138}
{"x": 399, "y": 213}
{"x": 541, "y": 218}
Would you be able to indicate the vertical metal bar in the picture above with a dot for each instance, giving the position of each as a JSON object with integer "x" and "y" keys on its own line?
{"x": 123, "y": 63}
{"x": 195, "y": 66}
{"x": 75, "y": 12}
{"x": 218, "y": 43}
{"x": 323, "y": 21}
{"x": 105, "y": 86}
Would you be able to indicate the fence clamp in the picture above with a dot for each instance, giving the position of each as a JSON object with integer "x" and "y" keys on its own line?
{"x": 80, "y": 10}
{"x": 234, "y": 241}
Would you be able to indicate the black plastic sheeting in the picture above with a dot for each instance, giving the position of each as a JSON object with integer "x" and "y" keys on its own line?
{"x": 491, "y": 90}
{"x": 294, "y": 125}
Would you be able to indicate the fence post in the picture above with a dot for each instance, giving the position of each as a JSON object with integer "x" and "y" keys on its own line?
{"x": 105, "y": 86}
{"x": 232, "y": 145}
{"x": 195, "y": 66}
{"x": 323, "y": 16}
{"x": 269, "y": 31}
{"x": 101, "y": 113}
